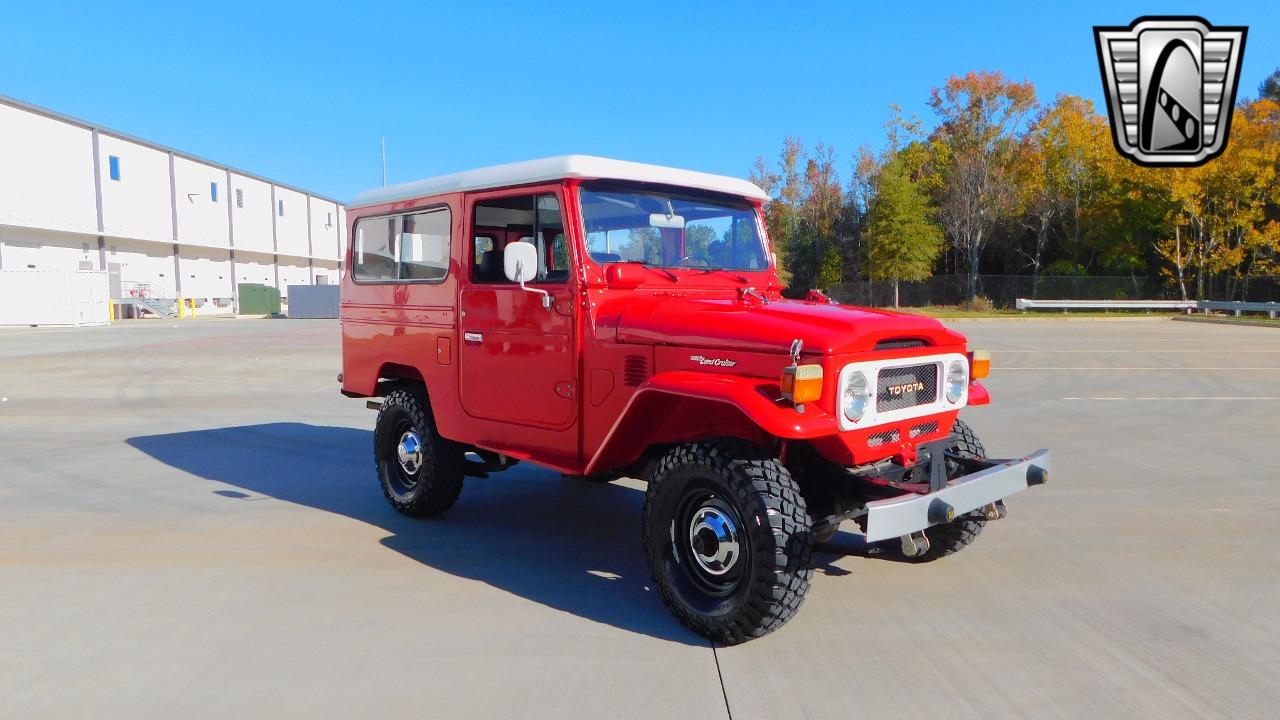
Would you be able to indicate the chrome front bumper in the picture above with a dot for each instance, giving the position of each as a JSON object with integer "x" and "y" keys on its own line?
{"x": 912, "y": 512}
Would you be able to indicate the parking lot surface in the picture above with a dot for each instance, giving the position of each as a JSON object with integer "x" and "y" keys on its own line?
{"x": 190, "y": 526}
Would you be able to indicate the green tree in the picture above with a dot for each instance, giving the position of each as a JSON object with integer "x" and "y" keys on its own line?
{"x": 902, "y": 241}
{"x": 643, "y": 244}
{"x": 697, "y": 241}
{"x": 1269, "y": 89}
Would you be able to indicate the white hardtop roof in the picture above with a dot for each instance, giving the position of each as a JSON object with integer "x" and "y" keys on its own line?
{"x": 557, "y": 168}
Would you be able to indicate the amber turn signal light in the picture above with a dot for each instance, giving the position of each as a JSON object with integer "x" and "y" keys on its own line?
{"x": 801, "y": 383}
{"x": 979, "y": 364}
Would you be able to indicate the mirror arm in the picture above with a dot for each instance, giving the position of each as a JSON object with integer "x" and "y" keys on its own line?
{"x": 546, "y": 296}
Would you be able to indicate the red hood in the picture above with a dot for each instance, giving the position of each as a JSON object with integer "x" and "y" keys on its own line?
{"x": 738, "y": 325}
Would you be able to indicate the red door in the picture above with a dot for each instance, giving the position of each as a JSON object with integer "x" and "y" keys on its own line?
{"x": 517, "y": 357}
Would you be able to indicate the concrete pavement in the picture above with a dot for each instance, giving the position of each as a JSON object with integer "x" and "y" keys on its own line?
{"x": 190, "y": 525}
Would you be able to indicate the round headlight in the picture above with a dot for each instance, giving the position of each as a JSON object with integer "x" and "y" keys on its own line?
{"x": 957, "y": 378}
{"x": 856, "y": 397}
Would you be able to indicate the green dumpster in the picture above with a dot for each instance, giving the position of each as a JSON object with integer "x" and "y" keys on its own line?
{"x": 258, "y": 299}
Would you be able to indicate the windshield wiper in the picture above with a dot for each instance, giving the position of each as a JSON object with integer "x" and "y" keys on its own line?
{"x": 736, "y": 276}
{"x": 650, "y": 266}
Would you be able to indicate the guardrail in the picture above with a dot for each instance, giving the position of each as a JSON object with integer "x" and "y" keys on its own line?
{"x": 1270, "y": 308}
{"x": 1232, "y": 306}
{"x": 1025, "y": 304}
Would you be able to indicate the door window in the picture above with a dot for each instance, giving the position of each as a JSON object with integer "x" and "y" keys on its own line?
{"x": 534, "y": 219}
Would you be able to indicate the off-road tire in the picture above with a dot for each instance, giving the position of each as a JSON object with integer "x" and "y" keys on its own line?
{"x": 950, "y": 538}
{"x": 435, "y": 485}
{"x": 775, "y": 571}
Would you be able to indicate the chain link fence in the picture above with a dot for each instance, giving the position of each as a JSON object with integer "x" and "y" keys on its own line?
{"x": 1003, "y": 290}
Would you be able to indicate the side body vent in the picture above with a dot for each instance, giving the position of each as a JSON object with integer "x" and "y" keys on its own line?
{"x": 900, "y": 343}
{"x": 635, "y": 370}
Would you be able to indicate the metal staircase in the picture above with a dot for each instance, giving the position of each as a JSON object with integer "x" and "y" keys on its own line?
{"x": 151, "y": 298}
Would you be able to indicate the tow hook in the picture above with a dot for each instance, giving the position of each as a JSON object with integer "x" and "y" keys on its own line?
{"x": 995, "y": 510}
{"x": 915, "y": 544}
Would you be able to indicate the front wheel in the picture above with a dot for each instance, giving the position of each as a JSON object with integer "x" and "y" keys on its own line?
{"x": 727, "y": 539}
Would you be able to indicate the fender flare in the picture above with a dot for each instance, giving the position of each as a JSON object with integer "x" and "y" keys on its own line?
{"x": 756, "y": 400}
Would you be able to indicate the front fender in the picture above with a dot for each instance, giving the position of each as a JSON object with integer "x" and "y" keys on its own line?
{"x": 679, "y": 406}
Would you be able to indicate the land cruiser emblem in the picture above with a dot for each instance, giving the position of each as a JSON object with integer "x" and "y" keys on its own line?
{"x": 714, "y": 362}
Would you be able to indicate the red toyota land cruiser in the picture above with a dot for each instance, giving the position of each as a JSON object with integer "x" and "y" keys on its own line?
{"x": 606, "y": 318}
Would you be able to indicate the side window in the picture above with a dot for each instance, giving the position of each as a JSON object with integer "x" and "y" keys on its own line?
{"x": 534, "y": 219}
{"x": 424, "y": 246}
{"x": 374, "y": 252}
{"x": 409, "y": 248}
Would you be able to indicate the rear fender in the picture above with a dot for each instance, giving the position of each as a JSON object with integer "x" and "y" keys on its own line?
{"x": 682, "y": 406}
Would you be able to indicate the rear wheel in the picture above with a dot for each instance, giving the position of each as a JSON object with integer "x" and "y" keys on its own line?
{"x": 950, "y": 538}
{"x": 421, "y": 472}
{"x": 727, "y": 539}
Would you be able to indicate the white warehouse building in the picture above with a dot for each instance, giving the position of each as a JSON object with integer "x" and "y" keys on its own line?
{"x": 161, "y": 222}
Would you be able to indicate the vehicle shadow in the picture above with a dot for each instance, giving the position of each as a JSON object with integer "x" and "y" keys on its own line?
{"x": 572, "y": 545}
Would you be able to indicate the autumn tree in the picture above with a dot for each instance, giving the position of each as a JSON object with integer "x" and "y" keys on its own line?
{"x": 804, "y": 213}
{"x": 1223, "y": 222}
{"x": 976, "y": 146}
{"x": 902, "y": 240}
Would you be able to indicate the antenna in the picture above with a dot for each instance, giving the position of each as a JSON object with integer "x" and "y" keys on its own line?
{"x": 384, "y": 161}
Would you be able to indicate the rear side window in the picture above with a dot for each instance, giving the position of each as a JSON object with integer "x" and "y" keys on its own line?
{"x": 413, "y": 247}
{"x": 424, "y": 246}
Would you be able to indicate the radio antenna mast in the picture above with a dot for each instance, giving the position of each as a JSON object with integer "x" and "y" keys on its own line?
{"x": 384, "y": 161}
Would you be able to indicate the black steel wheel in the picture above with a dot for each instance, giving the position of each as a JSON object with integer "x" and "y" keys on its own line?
{"x": 727, "y": 539}
{"x": 421, "y": 472}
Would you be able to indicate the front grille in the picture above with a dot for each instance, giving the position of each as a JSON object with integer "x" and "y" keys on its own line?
{"x": 880, "y": 438}
{"x": 905, "y": 387}
{"x": 924, "y": 429}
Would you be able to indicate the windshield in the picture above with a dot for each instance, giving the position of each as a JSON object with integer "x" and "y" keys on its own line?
{"x": 670, "y": 230}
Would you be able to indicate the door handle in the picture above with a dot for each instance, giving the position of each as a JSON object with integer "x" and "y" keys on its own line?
{"x": 473, "y": 337}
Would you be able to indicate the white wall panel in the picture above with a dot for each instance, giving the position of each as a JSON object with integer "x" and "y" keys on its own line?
{"x": 206, "y": 272}
{"x": 342, "y": 234}
{"x": 136, "y": 205}
{"x": 251, "y": 214}
{"x": 324, "y": 229}
{"x": 324, "y": 272}
{"x": 255, "y": 268}
{"x": 46, "y": 173}
{"x": 143, "y": 262}
{"x": 202, "y": 218}
{"x": 28, "y": 249}
{"x": 293, "y": 274}
{"x": 291, "y": 227}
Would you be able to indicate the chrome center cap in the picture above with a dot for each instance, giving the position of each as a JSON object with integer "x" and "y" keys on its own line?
{"x": 714, "y": 540}
{"x": 409, "y": 452}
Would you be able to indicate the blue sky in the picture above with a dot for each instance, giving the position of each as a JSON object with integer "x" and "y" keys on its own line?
{"x": 302, "y": 93}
